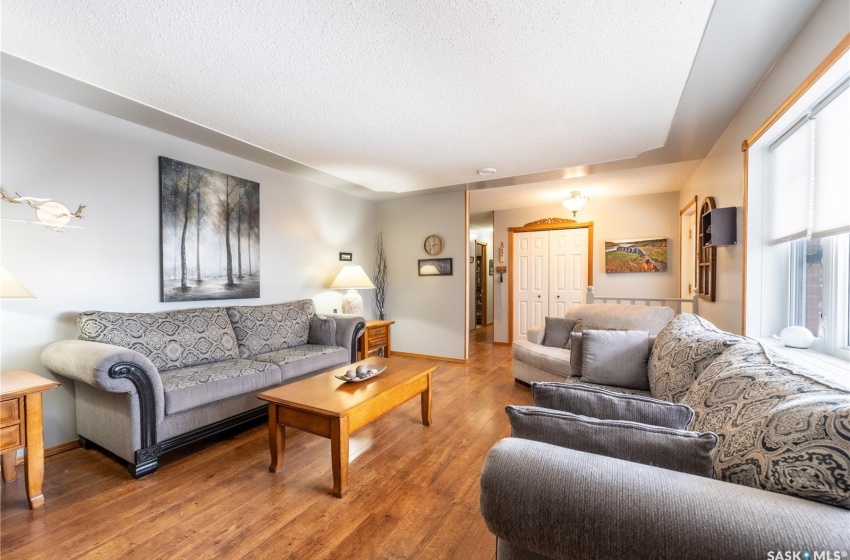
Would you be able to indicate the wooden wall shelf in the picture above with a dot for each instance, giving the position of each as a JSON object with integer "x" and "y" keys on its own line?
{"x": 707, "y": 253}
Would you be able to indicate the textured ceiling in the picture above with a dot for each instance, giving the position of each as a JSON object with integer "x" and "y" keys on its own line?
{"x": 645, "y": 180}
{"x": 394, "y": 96}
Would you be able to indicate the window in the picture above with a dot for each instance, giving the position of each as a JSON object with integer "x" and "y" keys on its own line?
{"x": 819, "y": 287}
{"x": 807, "y": 217}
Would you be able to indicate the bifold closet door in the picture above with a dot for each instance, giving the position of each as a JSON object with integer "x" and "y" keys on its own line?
{"x": 531, "y": 273}
{"x": 567, "y": 269}
{"x": 549, "y": 268}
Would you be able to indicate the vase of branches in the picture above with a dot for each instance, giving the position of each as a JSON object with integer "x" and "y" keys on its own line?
{"x": 380, "y": 279}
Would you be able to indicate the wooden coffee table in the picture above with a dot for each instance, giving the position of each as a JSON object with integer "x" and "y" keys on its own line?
{"x": 325, "y": 406}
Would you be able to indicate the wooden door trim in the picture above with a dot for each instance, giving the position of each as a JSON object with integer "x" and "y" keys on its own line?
{"x": 682, "y": 213}
{"x": 549, "y": 224}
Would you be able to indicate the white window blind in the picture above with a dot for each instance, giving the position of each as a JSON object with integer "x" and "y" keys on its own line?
{"x": 832, "y": 168}
{"x": 810, "y": 169}
{"x": 788, "y": 200}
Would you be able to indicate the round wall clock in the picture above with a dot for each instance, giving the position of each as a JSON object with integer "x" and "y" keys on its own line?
{"x": 434, "y": 245}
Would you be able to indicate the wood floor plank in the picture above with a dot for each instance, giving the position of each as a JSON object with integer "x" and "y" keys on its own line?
{"x": 413, "y": 490}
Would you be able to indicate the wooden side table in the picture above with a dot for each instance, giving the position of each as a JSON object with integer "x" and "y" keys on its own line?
{"x": 21, "y": 426}
{"x": 376, "y": 337}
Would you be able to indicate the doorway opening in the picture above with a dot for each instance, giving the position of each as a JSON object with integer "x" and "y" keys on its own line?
{"x": 481, "y": 284}
{"x": 688, "y": 250}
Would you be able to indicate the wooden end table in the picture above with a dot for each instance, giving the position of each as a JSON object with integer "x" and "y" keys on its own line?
{"x": 331, "y": 408}
{"x": 375, "y": 337}
{"x": 21, "y": 426}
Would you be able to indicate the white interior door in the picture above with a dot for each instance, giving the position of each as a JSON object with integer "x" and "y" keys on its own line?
{"x": 531, "y": 273}
{"x": 567, "y": 269}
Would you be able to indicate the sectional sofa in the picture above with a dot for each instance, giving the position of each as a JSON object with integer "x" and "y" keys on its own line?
{"x": 148, "y": 383}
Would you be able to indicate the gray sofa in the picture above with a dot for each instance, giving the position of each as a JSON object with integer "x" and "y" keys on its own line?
{"x": 781, "y": 467}
{"x": 148, "y": 383}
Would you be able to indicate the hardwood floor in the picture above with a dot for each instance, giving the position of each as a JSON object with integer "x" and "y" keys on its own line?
{"x": 413, "y": 490}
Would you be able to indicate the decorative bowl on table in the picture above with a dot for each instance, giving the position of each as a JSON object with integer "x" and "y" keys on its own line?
{"x": 361, "y": 373}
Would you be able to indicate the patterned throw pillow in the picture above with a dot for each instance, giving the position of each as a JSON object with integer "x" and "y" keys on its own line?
{"x": 681, "y": 352}
{"x": 265, "y": 328}
{"x": 172, "y": 339}
{"x": 782, "y": 427}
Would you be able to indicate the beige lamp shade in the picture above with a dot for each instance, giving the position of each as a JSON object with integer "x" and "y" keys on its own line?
{"x": 11, "y": 288}
{"x": 352, "y": 277}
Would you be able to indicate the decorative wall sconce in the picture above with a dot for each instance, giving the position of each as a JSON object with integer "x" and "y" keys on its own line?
{"x": 575, "y": 202}
{"x": 51, "y": 215}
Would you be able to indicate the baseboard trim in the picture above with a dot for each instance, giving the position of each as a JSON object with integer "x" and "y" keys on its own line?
{"x": 438, "y": 358}
{"x": 501, "y": 344}
{"x": 61, "y": 448}
{"x": 51, "y": 451}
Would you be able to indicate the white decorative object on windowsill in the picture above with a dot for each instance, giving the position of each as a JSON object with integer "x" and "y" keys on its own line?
{"x": 796, "y": 337}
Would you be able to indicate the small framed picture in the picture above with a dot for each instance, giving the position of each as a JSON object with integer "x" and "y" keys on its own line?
{"x": 491, "y": 267}
{"x": 345, "y": 256}
{"x": 435, "y": 267}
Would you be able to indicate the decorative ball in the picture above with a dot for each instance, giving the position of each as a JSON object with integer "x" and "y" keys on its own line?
{"x": 796, "y": 337}
{"x": 351, "y": 374}
{"x": 362, "y": 370}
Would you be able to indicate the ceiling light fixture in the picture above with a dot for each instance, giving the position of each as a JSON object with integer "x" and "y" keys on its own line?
{"x": 575, "y": 202}
{"x": 485, "y": 171}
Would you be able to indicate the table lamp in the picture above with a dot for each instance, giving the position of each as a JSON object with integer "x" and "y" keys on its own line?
{"x": 352, "y": 278}
{"x": 11, "y": 288}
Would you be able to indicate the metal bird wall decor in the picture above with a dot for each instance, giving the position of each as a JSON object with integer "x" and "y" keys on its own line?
{"x": 52, "y": 215}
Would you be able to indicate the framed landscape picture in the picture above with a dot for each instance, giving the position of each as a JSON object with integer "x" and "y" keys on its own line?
{"x": 435, "y": 267}
{"x": 210, "y": 234}
{"x": 639, "y": 255}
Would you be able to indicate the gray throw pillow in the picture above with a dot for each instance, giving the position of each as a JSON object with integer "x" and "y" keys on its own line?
{"x": 678, "y": 450}
{"x": 609, "y": 405}
{"x": 576, "y": 351}
{"x": 322, "y": 331}
{"x": 575, "y": 354}
{"x": 615, "y": 358}
{"x": 557, "y": 332}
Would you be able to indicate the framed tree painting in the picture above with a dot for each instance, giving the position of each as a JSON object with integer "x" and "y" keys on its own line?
{"x": 210, "y": 233}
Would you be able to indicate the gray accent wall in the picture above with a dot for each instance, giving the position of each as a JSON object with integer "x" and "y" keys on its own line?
{"x": 430, "y": 311}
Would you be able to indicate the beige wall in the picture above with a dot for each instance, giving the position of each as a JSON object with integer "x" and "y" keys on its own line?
{"x": 614, "y": 219}
{"x": 721, "y": 173}
{"x": 429, "y": 311}
{"x": 53, "y": 148}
